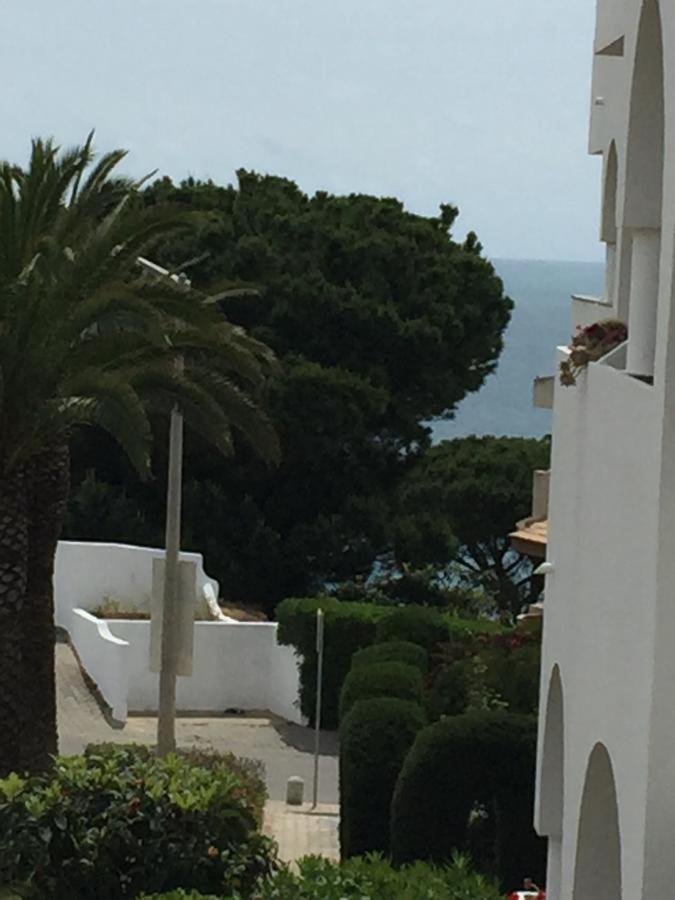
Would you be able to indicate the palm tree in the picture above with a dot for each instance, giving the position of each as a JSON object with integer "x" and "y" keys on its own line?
{"x": 84, "y": 341}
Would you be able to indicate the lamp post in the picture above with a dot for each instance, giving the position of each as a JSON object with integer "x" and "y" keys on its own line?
{"x": 166, "y": 718}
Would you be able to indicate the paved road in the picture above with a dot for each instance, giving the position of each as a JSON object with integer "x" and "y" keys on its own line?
{"x": 283, "y": 748}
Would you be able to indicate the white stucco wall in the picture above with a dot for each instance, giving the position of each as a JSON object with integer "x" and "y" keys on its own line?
{"x": 610, "y": 614}
{"x": 598, "y": 624}
{"x": 104, "y": 657}
{"x": 238, "y": 666}
{"x": 235, "y": 664}
{"x": 86, "y": 572}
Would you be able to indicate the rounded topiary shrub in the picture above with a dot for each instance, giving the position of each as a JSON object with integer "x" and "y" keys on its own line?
{"x": 393, "y": 651}
{"x": 386, "y": 679}
{"x": 375, "y": 737}
{"x": 450, "y": 689}
{"x": 484, "y": 759}
{"x": 416, "y": 624}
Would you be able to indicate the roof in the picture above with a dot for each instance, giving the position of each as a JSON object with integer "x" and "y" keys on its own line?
{"x": 531, "y": 537}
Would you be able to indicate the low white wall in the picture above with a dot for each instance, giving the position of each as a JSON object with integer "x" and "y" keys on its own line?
{"x": 236, "y": 665}
{"x": 85, "y": 573}
{"x": 105, "y": 659}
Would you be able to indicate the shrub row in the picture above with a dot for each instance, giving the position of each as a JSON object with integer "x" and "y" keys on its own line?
{"x": 375, "y": 737}
{"x": 372, "y": 878}
{"x": 349, "y": 627}
{"x": 117, "y": 821}
{"x": 484, "y": 759}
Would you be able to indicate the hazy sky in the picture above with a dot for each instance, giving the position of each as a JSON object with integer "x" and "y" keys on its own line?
{"x": 483, "y": 103}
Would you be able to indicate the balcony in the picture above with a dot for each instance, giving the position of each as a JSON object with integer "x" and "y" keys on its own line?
{"x": 589, "y": 310}
{"x": 531, "y": 535}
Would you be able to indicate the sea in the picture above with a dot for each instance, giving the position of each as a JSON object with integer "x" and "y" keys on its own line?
{"x": 541, "y": 320}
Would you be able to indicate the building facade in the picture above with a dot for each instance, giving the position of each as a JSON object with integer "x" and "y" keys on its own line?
{"x": 606, "y": 759}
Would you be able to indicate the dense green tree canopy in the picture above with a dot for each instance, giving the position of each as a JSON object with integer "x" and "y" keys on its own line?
{"x": 471, "y": 492}
{"x": 381, "y": 320}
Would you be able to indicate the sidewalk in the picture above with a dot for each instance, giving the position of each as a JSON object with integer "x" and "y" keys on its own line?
{"x": 301, "y": 831}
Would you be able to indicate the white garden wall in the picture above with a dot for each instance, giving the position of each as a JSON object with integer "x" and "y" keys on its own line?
{"x": 235, "y": 664}
{"x": 86, "y": 573}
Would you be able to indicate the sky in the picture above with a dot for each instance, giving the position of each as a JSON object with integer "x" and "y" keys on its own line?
{"x": 480, "y": 103}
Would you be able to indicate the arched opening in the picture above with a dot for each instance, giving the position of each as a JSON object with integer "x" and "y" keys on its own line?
{"x": 597, "y": 874}
{"x": 644, "y": 189}
{"x": 551, "y": 787}
{"x": 608, "y": 232}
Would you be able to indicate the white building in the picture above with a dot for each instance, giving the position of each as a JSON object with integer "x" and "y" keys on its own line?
{"x": 606, "y": 766}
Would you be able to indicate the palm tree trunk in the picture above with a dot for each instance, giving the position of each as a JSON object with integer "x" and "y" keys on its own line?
{"x": 47, "y": 494}
{"x": 13, "y": 578}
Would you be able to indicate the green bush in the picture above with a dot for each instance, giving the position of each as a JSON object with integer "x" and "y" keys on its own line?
{"x": 347, "y": 627}
{"x": 450, "y": 690}
{"x": 249, "y": 772}
{"x": 512, "y": 669}
{"x": 481, "y": 759}
{"x": 366, "y": 878}
{"x": 417, "y": 624}
{"x": 118, "y": 821}
{"x": 373, "y": 878}
{"x": 385, "y": 679}
{"x": 393, "y": 651}
{"x": 375, "y": 737}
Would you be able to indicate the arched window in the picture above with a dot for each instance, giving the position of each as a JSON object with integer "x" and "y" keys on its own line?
{"x": 597, "y": 873}
{"x": 551, "y": 784}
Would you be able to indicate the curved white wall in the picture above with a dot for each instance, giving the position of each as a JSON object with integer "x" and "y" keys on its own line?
{"x": 85, "y": 573}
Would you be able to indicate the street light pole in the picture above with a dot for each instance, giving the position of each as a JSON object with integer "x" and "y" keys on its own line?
{"x": 166, "y": 719}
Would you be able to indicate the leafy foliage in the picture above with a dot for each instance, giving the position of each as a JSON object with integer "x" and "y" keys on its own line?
{"x": 484, "y": 758}
{"x": 472, "y": 491}
{"x": 416, "y": 624}
{"x": 120, "y": 821}
{"x": 381, "y": 321}
{"x": 393, "y": 651}
{"x": 368, "y": 877}
{"x": 382, "y": 679}
{"x": 347, "y": 627}
{"x": 375, "y": 737}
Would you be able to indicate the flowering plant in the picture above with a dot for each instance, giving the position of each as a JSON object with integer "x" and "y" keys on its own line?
{"x": 590, "y": 343}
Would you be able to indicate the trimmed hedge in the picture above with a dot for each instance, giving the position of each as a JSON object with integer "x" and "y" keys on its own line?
{"x": 393, "y": 651}
{"x": 480, "y": 757}
{"x": 375, "y": 737}
{"x": 385, "y": 679}
{"x": 349, "y": 627}
{"x": 118, "y": 821}
{"x": 371, "y": 877}
{"x": 416, "y": 624}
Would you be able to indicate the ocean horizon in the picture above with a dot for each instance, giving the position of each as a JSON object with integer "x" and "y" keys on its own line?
{"x": 541, "y": 291}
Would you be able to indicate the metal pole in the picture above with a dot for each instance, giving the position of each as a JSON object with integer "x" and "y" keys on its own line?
{"x": 166, "y": 720}
{"x": 317, "y": 713}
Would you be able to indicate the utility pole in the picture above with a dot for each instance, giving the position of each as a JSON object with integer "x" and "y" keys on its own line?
{"x": 166, "y": 718}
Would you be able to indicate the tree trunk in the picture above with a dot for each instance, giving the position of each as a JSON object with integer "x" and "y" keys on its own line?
{"x": 13, "y": 577}
{"x": 47, "y": 495}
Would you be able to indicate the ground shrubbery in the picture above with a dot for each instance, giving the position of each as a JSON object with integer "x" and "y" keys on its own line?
{"x": 384, "y": 679}
{"x": 350, "y": 627}
{"x": 479, "y": 760}
{"x": 375, "y": 737}
{"x": 370, "y": 877}
{"x": 417, "y": 624}
{"x": 118, "y": 821}
{"x": 393, "y": 651}
{"x": 347, "y": 628}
